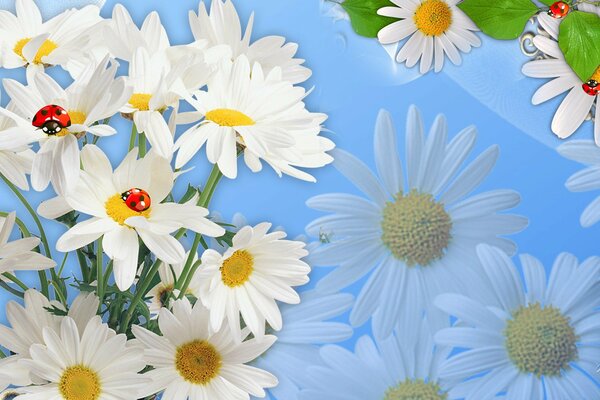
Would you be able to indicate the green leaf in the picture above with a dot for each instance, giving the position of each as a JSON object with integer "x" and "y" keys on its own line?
{"x": 547, "y": 2}
{"x": 500, "y": 19}
{"x": 579, "y": 40}
{"x": 364, "y": 18}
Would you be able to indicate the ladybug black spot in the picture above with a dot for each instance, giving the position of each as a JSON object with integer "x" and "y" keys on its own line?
{"x": 133, "y": 204}
{"x": 44, "y": 112}
{"x": 58, "y": 112}
{"x": 142, "y": 198}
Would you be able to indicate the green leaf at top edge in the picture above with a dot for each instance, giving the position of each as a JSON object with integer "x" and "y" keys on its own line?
{"x": 500, "y": 19}
{"x": 547, "y": 2}
{"x": 579, "y": 40}
{"x": 364, "y": 18}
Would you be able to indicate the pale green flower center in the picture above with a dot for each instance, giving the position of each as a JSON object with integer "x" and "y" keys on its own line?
{"x": 540, "y": 340}
{"x": 416, "y": 228}
{"x": 415, "y": 390}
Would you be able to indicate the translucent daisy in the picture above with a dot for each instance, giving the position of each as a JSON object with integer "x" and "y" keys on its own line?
{"x": 436, "y": 28}
{"x": 575, "y": 107}
{"x": 306, "y": 326}
{"x": 98, "y": 364}
{"x": 250, "y": 276}
{"x": 526, "y": 343}
{"x": 27, "y": 41}
{"x": 399, "y": 367}
{"x": 18, "y": 254}
{"x": 102, "y": 193}
{"x": 260, "y": 114}
{"x": 161, "y": 294}
{"x": 95, "y": 96}
{"x": 191, "y": 361}
{"x": 222, "y": 26}
{"x": 417, "y": 235}
{"x": 28, "y": 324}
{"x": 587, "y": 153}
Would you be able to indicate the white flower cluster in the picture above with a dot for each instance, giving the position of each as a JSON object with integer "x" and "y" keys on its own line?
{"x": 214, "y": 308}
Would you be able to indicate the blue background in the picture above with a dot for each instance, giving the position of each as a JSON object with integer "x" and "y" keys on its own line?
{"x": 353, "y": 78}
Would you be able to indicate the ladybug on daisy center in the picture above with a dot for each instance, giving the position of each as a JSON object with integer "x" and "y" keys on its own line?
{"x": 137, "y": 199}
{"x": 51, "y": 119}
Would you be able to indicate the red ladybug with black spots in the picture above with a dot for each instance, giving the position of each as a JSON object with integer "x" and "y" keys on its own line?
{"x": 51, "y": 119}
{"x": 559, "y": 9}
{"x": 137, "y": 199}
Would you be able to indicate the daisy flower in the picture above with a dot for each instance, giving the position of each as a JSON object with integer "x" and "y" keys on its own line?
{"x": 245, "y": 109}
{"x": 222, "y": 27}
{"x": 101, "y": 193}
{"x": 27, "y": 41}
{"x": 526, "y": 343}
{"x": 19, "y": 254}
{"x": 95, "y": 96}
{"x": 259, "y": 268}
{"x": 28, "y": 324}
{"x": 575, "y": 107}
{"x": 417, "y": 235}
{"x": 551, "y": 23}
{"x": 96, "y": 365}
{"x": 306, "y": 326}
{"x": 169, "y": 274}
{"x": 192, "y": 361}
{"x": 15, "y": 161}
{"x": 399, "y": 367}
{"x": 437, "y": 28}
{"x": 587, "y": 153}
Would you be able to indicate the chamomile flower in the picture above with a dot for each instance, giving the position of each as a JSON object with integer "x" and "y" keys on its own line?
{"x": 27, "y": 41}
{"x": 222, "y": 27}
{"x": 192, "y": 361}
{"x": 416, "y": 236}
{"x": 258, "y": 269}
{"x": 95, "y": 96}
{"x": 28, "y": 324}
{"x": 18, "y": 255}
{"x": 526, "y": 343}
{"x": 169, "y": 275}
{"x": 587, "y": 153}
{"x": 576, "y": 106}
{"x": 437, "y": 28}
{"x": 97, "y": 364}
{"x": 305, "y": 326}
{"x": 551, "y": 23}
{"x": 15, "y": 161}
{"x": 127, "y": 204}
{"x": 399, "y": 367}
{"x": 260, "y": 114}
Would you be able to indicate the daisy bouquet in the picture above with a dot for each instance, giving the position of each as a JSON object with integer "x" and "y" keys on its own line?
{"x": 143, "y": 315}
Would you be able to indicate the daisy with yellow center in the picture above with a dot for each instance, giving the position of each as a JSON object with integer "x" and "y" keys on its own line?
{"x": 76, "y": 366}
{"x": 192, "y": 361}
{"x": 435, "y": 28}
{"x": 35, "y": 44}
{"x": 95, "y": 95}
{"x": 127, "y": 205}
{"x": 530, "y": 336}
{"x": 249, "y": 277}
{"x": 245, "y": 109}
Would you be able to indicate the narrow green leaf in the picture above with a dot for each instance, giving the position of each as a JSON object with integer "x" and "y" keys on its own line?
{"x": 364, "y": 18}
{"x": 500, "y": 19}
{"x": 579, "y": 40}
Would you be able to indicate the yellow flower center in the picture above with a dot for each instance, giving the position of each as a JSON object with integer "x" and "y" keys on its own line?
{"x": 236, "y": 270}
{"x": 596, "y": 76}
{"x": 540, "y": 340}
{"x": 198, "y": 362}
{"x": 118, "y": 210}
{"x": 433, "y": 17}
{"x": 77, "y": 117}
{"x": 228, "y": 117}
{"x": 79, "y": 383}
{"x": 415, "y": 390}
{"x": 45, "y": 49}
{"x": 140, "y": 101}
{"x": 416, "y": 229}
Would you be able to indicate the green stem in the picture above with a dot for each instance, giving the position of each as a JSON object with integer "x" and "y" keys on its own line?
{"x": 16, "y": 280}
{"x": 85, "y": 274}
{"x": 132, "y": 137}
{"x": 99, "y": 271}
{"x": 142, "y": 144}
{"x": 6, "y": 287}
{"x": 139, "y": 295}
{"x": 189, "y": 278}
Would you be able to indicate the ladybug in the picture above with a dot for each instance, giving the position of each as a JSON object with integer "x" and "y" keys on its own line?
{"x": 558, "y": 9}
{"x": 591, "y": 87}
{"x": 137, "y": 199}
{"x": 51, "y": 119}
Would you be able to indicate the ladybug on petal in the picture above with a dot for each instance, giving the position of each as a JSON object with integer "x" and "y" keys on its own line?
{"x": 560, "y": 9}
{"x": 51, "y": 119}
{"x": 591, "y": 87}
{"x": 137, "y": 199}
